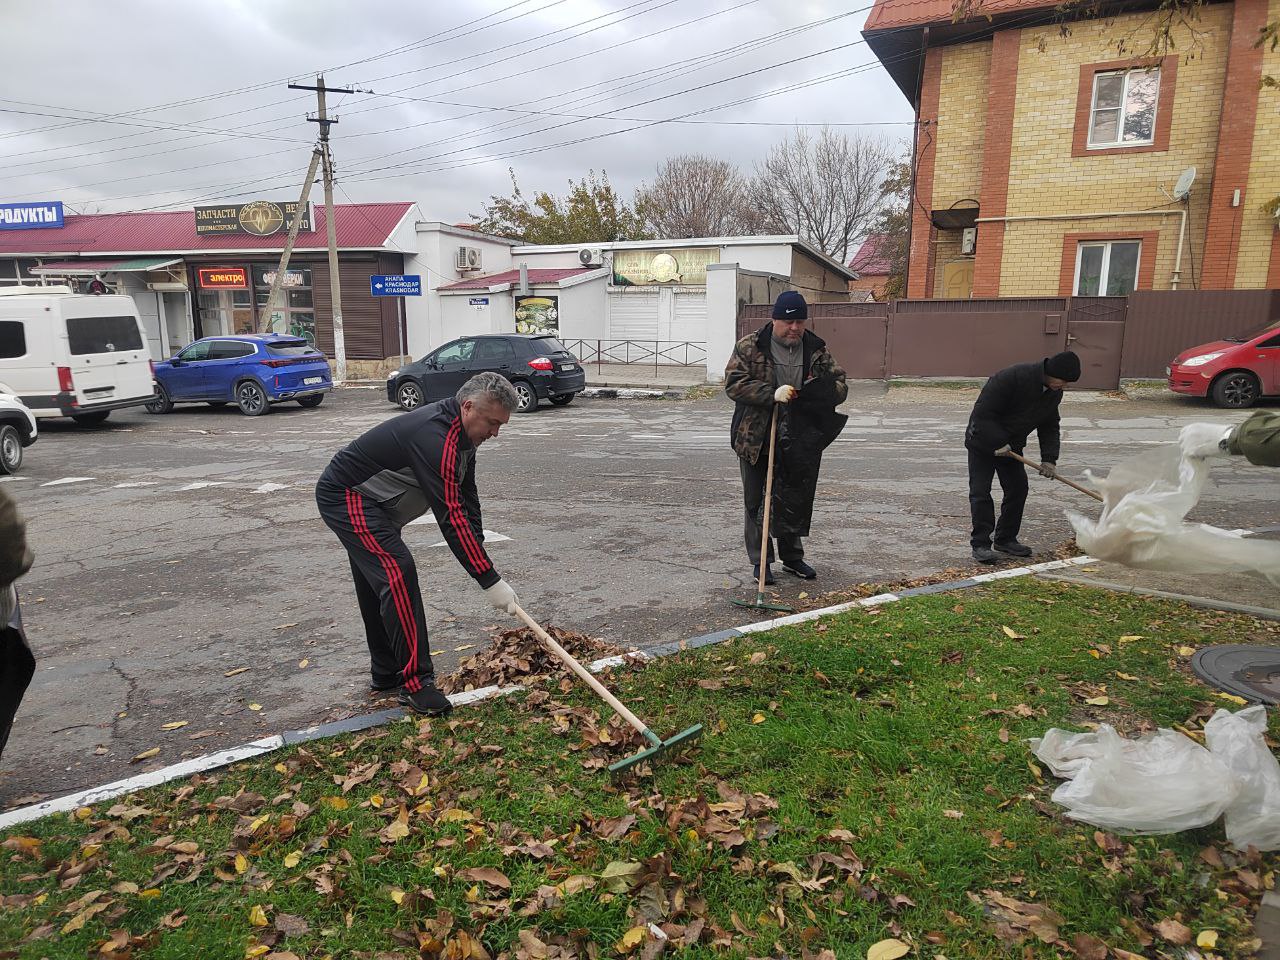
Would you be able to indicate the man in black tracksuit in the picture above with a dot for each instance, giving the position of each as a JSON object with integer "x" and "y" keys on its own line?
{"x": 1014, "y": 402}
{"x": 418, "y": 461}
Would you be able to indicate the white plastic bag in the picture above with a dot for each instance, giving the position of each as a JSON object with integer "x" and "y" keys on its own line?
{"x": 1237, "y": 740}
{"x": 1162, "y": 783}
{"x": 1145, "y": 500}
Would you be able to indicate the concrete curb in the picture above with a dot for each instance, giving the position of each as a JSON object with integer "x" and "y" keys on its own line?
{"x": 630, "y": 393}
{"x": 266, "y": 745}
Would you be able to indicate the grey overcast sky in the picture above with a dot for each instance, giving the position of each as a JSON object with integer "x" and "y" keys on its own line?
{"x": 143, "y": 104}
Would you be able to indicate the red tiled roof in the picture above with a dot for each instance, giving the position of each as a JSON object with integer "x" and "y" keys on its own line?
{"x": 360, "y": 226}
{"x": 536, "y": 275}
{"x": 902, "y": 13}
{"x": 872, "y": 258}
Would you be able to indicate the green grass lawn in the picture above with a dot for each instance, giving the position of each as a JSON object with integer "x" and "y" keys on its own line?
{"x": 862, "y": 778}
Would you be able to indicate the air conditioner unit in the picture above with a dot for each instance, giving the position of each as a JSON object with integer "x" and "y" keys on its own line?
{"x": 468, "y": 258}
{"x": 591, "y": 256}
{"x": 968, "y": 239}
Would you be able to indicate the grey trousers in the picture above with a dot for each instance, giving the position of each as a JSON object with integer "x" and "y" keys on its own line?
{"x": 753, "y": 480}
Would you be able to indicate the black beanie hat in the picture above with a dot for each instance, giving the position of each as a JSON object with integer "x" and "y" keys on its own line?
{"x": 1063, "y": 366}
{"x": 790, "y": 305}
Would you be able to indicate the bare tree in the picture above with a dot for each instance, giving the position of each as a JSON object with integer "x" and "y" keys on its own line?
{"x": 694, "y": 195}
{"x": 827, "y": 188}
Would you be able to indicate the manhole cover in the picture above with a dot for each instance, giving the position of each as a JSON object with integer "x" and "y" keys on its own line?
{"x": 1247, "y": 671}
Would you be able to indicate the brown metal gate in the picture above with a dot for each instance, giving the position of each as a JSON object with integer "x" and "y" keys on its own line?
{"x": 1095, "y": 333}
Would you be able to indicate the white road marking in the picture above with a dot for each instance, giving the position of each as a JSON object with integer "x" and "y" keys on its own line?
{"x": 136, "y": 483}
{"x": 201, "y": 484}
{"x": 60, "y": 482}
{"x": 489, "y": 537}
{"x": 9, "y": 479}
{"x": 271, "y": 487}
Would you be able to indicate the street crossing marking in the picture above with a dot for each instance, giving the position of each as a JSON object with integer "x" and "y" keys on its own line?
{"x": 64, "y": 480}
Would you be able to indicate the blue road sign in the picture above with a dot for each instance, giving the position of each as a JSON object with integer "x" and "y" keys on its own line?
{"x": 30, "y": 216}
{"x": 396, "y": 286}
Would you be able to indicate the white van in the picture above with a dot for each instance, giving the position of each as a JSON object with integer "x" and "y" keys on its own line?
{"x": 65, "y": 354}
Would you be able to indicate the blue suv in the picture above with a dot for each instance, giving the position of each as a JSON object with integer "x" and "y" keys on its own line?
{"x": 251, "y": 371}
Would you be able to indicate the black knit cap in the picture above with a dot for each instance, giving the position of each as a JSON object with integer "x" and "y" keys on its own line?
{"x": 790, "y": 305}
{"x": 1063, "y": 366}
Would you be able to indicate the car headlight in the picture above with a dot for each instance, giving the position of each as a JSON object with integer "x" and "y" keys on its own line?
{"x": 1201, "y": 360}
{"x": 393, "y": 374}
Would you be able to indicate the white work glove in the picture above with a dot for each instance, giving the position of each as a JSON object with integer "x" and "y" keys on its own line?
{"x": 1048, "y": 469}
{"x": 784, "y": 394}
{"x": 502, "y": 596}
{"x": 1204, "y": 440}
{"x": 1004, "y": 451}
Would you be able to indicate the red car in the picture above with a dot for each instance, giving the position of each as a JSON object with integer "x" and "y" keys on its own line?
{"x": 1235, "y": 372}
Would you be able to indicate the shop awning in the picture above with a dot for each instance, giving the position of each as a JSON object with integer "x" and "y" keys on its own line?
{"x": 87, "y": 268}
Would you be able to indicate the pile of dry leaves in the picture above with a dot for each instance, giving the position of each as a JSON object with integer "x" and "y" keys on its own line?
{"x": 516, "y": 656}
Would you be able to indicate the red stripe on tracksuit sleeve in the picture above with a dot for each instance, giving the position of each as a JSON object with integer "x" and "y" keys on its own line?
{"x": 395, "y": 578}
{"x": 453, "y": 501}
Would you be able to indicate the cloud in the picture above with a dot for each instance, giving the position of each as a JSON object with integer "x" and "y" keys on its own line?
{"x": 235, "y": 131}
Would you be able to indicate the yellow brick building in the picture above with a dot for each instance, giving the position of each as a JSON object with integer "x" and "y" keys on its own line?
{"x": 1048, "y": 162}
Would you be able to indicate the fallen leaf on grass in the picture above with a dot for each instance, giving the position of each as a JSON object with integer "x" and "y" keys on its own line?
{"x": 953, "y": 814}
{"x": 25, "y": 846}
{"x": 237, "y": 670}
{"x": 1014, "y": 918}
{"x": 1130, "y": 637}
{"x": 1186, "y": 651}
{"x": 1098, "y": 701}
{"x": 1231, "y": 698}
{"x": 1126, "y": 676}
{"x": 1012, "y": 634}
{"x": 1088, "y": 947}
{"x": 1173, "y": 931}
{"x": 494, "y": 878}
{"x": 291, "y": 860}
{"x": 1207, "y": 939}
{"x": 146, "y": 755}
{"x": 620, "y": 875}
{"x": 290, "y": 925}
{"x": 758, "y": 718}
{"x": 758, "y": 657}
{"x": 890, "y": 949}
{"x": 257, "y": 916}
{"x": 631, "y": 939}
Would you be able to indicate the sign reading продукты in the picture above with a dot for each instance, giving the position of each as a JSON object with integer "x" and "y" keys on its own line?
{"x": 30, "y": 216}
{"x": 396, "y": 286}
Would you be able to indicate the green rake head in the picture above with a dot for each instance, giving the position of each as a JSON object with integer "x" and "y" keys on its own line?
{"x": 658, "y": 746}
{"x": 761, "y": 604}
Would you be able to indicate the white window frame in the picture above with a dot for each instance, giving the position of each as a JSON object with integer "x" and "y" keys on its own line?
{"x": 1124, "y": 98}
{"x": 1106, "y": 265}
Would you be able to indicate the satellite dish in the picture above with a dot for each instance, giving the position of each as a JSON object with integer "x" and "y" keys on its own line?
{"x": 1183, "y": 187}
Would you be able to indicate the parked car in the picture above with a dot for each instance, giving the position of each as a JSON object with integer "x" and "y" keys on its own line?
{"x": 252, "y": 371}
{"x": 17, "y": 431}
{"x": 1235, "y": 371}
{"x": 538, "y": 366}
{"x": 68, "y": 355}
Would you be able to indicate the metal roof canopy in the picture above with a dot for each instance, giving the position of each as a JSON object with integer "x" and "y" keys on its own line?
{"x": 1245, "y": 670}
{"x": 87, "y": 268}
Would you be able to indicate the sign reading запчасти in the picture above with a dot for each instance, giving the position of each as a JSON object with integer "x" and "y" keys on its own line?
{"x": 31, "y": 216}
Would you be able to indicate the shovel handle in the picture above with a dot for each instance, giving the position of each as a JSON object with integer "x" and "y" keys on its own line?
{"x": 583, "y": 673}
{"x": 1057, "y": 476}
{"x": 766, "y": 538}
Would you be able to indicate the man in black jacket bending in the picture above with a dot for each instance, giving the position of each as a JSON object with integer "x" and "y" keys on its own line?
{"x": 394, "y": 473}
{"x": 1014, "y": 402}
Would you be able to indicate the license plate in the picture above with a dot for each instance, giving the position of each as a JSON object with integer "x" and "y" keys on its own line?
{"x": 310, "y": 380}
{"x": 566, "y": 366}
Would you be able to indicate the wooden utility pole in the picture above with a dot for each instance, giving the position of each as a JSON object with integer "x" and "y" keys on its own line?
{"x": 335, "y": 284}
{"x": 275, "y": 300}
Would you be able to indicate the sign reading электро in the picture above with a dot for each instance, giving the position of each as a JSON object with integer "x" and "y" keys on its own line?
{"x": 31, "y": 216}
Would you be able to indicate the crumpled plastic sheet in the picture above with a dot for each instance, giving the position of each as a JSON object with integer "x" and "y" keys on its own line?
{"x": 1146, "y": 499}
{"x": 1166, "y": 782}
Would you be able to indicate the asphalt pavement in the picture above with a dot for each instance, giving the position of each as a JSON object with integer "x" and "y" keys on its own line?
{"x": 183, "y": 577}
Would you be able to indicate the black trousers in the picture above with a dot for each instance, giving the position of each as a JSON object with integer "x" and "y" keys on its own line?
{"x": 17, "y": 667}
{"x": 753, "y": 481}
{"x": 1013, "y": 482}
{"x": 386, "y": 581}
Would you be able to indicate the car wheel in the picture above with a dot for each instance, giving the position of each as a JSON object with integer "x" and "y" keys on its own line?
{"x": 10, "y": 449}
{"x": 160, "y": 403}
{"x": 91, "y": 419}
{"x": 216, "y": 403}
{"x": 1236, "y": 390}
{"x": 528, "y": 399}
{"x": 409, "y": 396}
{"x": 312, "y": 401}
{"x": 252, "y": 399}
{"x": 564, "y": 399}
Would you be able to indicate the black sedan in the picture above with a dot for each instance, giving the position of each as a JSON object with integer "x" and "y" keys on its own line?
{"x": 538, "y": 366}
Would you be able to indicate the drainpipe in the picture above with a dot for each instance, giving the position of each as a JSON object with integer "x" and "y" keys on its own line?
{"x": 1174, "y": 280}
{"x": 915, "y": 147}
{"x": 524, "y": 280}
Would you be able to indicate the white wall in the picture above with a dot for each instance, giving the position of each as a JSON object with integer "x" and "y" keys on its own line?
{"x": 148, "y": 309}
{"x": 534, "y": 258}
{"x": 770, "y": 258}
{"x": 458, "y": 318}
{"x": 582, "y": 309}
{"x": 722, "y": 317}
{"x": 437, "y": 243}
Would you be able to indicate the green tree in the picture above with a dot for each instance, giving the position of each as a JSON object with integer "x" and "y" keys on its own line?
{"x": 592, "y": 212}
{"x": 894, "y": 223}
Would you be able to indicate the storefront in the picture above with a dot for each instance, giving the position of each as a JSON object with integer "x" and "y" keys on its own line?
{"x": 209, "y": 271}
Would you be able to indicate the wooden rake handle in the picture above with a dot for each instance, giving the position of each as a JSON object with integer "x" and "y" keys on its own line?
{"x": 585, "y": 675}
{"x": 765, "y": 536}
{"x": 1057, "y": 476}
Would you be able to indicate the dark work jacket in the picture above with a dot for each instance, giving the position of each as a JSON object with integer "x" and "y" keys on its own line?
{"x": 1012, "y": 404}
{"x": 415, "y": 462}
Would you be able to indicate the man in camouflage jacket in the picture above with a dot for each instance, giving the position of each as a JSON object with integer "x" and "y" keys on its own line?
{"x": 783, "y": 363}
{"x": 17, "y": 666}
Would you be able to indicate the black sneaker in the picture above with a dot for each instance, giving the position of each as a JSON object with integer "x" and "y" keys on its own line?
{"x": 768, "y": 575}
{"x": 429, "y": 701}
{"x": 384, "y": 685}
{"x": 1014, "y": 549}
{"x": 986, "y": 555}
{"x": 800, "y": 569}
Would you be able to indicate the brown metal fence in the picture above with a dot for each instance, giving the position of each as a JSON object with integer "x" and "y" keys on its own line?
{"x": 1114, "y": 336}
